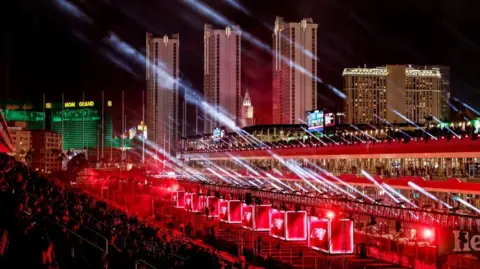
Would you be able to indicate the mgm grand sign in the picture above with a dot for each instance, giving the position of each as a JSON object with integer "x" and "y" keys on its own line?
{"x": 458, "y": 242}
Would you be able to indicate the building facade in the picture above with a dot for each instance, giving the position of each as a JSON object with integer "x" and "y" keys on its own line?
{"x": 445, "y": 91}
{"x": 294, "y": 70}
{"x": 79, "y": 122}
{"x": 392, "y": 93}
{"x": 162, "y": 77}
{"x": 46, "y": 151}
{"x": 22, "y": 140}
{"x": 222, "y": 75}
{"x": 247, "y": 111}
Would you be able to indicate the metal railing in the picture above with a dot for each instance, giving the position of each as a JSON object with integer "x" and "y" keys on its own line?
{"x": 393, "y": 212}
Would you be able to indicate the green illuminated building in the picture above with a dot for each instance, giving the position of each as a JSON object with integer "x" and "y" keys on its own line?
{"x": 80, "y": 124}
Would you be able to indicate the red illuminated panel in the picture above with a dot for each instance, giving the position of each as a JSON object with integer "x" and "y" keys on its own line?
{"x": 247, "y": 216}
{"x": 261, "y": 218}
{"x": 188, "y": 201}
{"x": 194, "y": 202}
{"x": 180, "y": 199}
{"x": 341, "y": 236}
{"x": 234, "y": 211}
{"x": 223, "y": 214}
{"x": 277, "y": 223}
{"x": 331, "y": 236}
{"x": 213, "y": 204}
{"x": 318, "y": 234}
{"x": 201, "y": 203}
{"x": 296, "y": 225}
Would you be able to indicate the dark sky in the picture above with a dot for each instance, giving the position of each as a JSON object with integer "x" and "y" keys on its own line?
{"x": 57, "y": 46}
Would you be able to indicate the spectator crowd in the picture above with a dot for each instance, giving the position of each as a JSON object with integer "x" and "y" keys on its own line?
{"x": 55, "y": 226}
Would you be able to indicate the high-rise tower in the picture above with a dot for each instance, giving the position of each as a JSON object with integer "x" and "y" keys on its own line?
{"x": 162, "y": 75}
{"x": 294, "y": 70}
{"x": 222, "y": 75}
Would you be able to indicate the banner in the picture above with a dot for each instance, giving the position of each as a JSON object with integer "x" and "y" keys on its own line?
{"x": 457, "y": 241}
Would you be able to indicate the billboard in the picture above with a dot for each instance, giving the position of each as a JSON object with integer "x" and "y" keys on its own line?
{"x": 315, "y": 120}
{"x": 219, "y": 133}
{"x": 329, "y": 119}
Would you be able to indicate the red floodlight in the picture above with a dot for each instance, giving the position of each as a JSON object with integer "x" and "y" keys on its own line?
{"x": 330, "y": 215}
{"x": 428, "y": 234}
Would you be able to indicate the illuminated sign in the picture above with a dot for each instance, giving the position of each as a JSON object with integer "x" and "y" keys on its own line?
{"x": 315, "y": 120}
{"x": 85, "y": 104}
{"x": 329, "y": 119}
{"x": 69, "y": 104}
{"x": 277, "y": 223}
{"x": 318, "y": 233}
{"x": 18, "y": 107}
{"x": 219, "y": 133}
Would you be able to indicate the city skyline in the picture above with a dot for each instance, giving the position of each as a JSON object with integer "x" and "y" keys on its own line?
{"x": 340, "y": 47}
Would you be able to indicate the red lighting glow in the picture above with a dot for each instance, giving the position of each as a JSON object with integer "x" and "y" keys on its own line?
{"x": 428, "y": 234}
{"x": 330, "y": 215}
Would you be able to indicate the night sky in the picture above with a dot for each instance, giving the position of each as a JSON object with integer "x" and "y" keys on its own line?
{"x": 56, "y": 46}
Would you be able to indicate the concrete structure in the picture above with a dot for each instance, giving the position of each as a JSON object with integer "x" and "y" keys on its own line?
{"x": 294, "y": 70}
{"x": 22, "y": 140}
{"x": 247, "y": 111}
{"x": 46, "y": 151}
{"x": 222, "y": 50}
{"x": 162, "y": 75}
{"x": 374, "y": 94}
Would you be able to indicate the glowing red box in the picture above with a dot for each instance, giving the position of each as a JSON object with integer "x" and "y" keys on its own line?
{"x": 188, "y": 201}
{"x": 331, "y": 236}
{"x": 318, "y": 230}
{"x": 341, "y": 236}
{"x": 201, "y": 203}
{"x": 223, "y": 214}
{"x": 247, "y": 216}
{"x": 277, "y": 223}
{"x": 296, "y": 225}
{"x": 213, "y": 204}
{"x": 234, "y": 211}
{"x": 261, "y": 217}
{"x": 180, "y": 199}
{"x": 191, "y": 202}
